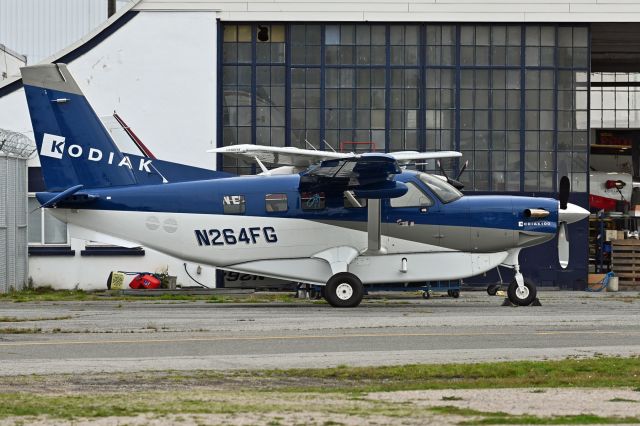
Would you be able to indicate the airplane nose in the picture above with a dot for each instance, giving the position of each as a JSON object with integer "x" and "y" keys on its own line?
{"x": 572, "y": 213}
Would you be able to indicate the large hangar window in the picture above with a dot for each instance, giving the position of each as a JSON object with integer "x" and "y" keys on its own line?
{"x": 512, "y": 98}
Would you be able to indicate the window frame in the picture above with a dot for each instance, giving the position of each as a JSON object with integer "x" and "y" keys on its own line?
{"x": 420, "y": 206}
{"x": 243, "y": 204}
{"x": 267, "y": 200}
{"x": 41, "y": 211}
{"x": 455, "y": 190}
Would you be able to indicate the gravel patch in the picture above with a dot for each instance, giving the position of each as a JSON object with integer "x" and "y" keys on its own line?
{"x": 540, "y": 402}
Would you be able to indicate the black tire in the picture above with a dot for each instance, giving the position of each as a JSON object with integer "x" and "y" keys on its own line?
{"x": 492, "y": 290}
{"x": 426, "y": 294}
{"x": 454, "y": 293}
{"x": 344, "y": 290}
{"x": 521, "y": 299}
{"x": 109, "y": 280}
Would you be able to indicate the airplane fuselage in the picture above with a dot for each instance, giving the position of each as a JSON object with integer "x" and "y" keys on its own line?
{"x": 231, "y": 223}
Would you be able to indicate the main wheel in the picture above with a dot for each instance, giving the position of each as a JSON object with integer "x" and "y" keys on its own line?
{"x": 344, "y": 290}
{"x": 454, "y": 293}
{"x": 522, "y": 297}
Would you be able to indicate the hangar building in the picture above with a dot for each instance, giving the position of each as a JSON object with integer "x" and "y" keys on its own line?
{"x": 525, "y": 90}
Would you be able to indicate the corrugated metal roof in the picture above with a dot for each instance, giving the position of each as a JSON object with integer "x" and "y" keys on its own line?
{"x": 39, "y": 28}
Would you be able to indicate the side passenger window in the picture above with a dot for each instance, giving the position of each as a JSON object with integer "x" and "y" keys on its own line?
{"x": 276, "y": 203}
{"x": 233, "y": 204}
{"x": 413, "y": 198}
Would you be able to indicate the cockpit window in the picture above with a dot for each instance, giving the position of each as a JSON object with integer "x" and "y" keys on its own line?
{"x": 442, "y": 189}
{"x": 414, "y": 197}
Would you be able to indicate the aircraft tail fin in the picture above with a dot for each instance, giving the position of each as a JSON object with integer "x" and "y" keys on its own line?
{"x": 74, "y": 146}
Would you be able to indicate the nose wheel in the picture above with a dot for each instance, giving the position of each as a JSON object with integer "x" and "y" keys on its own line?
{"x": 521, "y": 295}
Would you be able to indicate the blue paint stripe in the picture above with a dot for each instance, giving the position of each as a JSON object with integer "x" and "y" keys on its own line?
{"x": 205, "y": 197}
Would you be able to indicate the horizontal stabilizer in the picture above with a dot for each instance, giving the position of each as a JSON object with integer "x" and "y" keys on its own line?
{"x": 62, "y": 196}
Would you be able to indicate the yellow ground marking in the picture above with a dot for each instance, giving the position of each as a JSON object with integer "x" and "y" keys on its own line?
{"x": 307, "y": 337}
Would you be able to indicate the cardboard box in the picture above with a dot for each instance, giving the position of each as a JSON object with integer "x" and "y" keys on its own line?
{"x": 595, "y": 280}
{"x": 621, "y": 235}
{"x": 611, "y": 234}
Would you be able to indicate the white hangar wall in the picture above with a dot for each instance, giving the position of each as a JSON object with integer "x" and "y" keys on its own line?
{"x": 158, "y": 71}
{"x": 414, "y": 10}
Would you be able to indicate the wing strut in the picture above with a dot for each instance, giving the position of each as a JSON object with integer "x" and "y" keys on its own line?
{"x": 374, "y": 235}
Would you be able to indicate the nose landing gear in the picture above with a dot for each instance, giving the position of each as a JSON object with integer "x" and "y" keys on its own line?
{"x": 519, "y": 292}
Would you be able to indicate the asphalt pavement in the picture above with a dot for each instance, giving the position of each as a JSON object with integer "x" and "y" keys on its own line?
{"x": 104, "y": 336}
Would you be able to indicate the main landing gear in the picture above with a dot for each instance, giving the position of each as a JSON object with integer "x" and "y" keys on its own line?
{"x": 344, "y": 290}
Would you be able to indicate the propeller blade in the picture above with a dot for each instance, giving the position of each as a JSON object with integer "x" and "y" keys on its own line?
{"x": 464, "y": 167}
{"x": 563, "y": 194}
{"x": 563, "y": 245}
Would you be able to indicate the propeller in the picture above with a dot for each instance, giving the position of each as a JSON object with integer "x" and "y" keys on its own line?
{"x": 563, "y": 232}
{"x": 454, "y": 182}
{"x": 563, "y": 194}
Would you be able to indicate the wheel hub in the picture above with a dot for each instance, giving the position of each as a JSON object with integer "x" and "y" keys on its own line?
{"x": 344, "y": 291}
{"x": 522, "y": 292}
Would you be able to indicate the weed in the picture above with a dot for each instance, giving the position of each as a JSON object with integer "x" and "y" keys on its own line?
{"x": 622, "y": 400}
{"x": 14, "y": 330}
{"x": 15, "y": 319}
{"x": 451, "y": 398}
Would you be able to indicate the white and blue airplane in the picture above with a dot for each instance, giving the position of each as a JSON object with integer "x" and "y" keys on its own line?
{"x": 337, "y": 220}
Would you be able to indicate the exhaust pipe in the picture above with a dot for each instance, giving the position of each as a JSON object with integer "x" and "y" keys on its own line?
{"x": 536, "y": 213}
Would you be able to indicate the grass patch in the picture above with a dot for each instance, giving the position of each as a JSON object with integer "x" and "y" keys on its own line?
{"x": 15, "y": 330}
{"x": 160, "y": 403}
{"x": 15, "y": 319}
{"x": 340, "y": 391}
{"x": 611, "y": 372}
{"x": 45, "y": 294}
{"x": 48, "y": 294}
{"x": 500, "y": 418}
{"x": 595, "y": 372}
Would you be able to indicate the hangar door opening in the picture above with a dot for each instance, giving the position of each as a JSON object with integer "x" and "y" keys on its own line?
{"x": 615, "y": 153}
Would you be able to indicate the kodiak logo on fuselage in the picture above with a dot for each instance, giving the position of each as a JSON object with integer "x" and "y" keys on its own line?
{"x": 54, "y": 146}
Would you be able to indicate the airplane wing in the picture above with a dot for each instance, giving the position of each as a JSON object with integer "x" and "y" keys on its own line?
{"x": 411, "y": 156}
{"x": 367, "y": 175}
{"x": 303, "y": 158}
{"x": 282, "y": 156}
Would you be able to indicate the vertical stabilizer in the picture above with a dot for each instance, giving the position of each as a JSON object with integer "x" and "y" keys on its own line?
{"x": 73, "y": 144}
